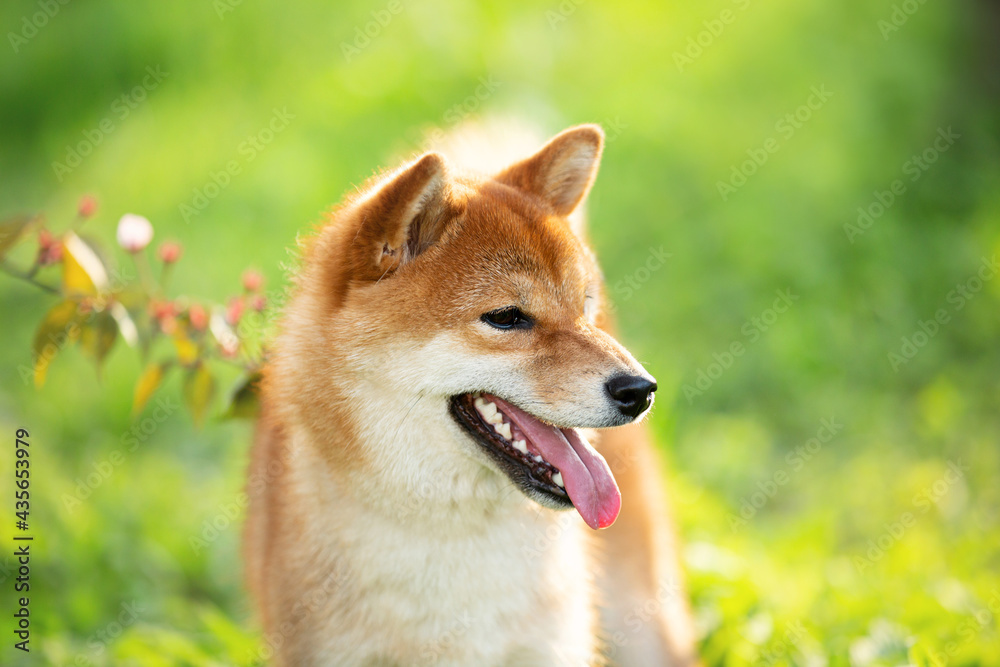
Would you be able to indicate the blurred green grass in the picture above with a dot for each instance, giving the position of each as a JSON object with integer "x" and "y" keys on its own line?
{"x": 817, "y": 574}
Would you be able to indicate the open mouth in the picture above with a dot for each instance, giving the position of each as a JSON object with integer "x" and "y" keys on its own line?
{"x": 554, "y": 466}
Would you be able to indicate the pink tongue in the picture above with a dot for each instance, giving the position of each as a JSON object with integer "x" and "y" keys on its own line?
{"x": 588, "y": 479}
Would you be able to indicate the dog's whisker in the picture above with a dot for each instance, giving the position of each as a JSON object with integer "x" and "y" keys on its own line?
{"x": 402, "y": 421}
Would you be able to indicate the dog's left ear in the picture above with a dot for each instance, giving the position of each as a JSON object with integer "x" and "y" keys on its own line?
{"x": 561, "y": 173}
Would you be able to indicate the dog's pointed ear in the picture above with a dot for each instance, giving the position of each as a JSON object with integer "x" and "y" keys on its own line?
{"x": 561, "y": 173}
{"x": 401, "y": 218}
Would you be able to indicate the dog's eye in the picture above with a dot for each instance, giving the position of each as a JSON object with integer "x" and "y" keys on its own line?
{"x": 510, "y": 317}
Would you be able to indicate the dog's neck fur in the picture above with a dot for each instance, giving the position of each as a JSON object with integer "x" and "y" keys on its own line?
{"x": 420, "y": 565}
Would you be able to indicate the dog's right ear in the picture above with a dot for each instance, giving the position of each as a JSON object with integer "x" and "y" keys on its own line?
{"x": 400, "y": 219}
{"x": 561, "y": 173}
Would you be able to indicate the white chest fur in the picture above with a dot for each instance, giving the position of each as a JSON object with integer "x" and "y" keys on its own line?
{"x": 471, "y": 583}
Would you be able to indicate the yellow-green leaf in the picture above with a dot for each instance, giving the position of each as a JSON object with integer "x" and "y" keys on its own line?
{"x": 98, "y": 334}
{"x": 187, "y": 350}
{"x": 11, "y": 230}
{"x": 60, "y": 327}
{"x": 245, "y": 401}
{"x": 199, "y": 388}
{"x": 83, "y": 272}
{"x": 148, "y": 383}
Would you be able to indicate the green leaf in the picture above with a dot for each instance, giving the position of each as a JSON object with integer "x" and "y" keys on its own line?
{"x": 60, "y": 326}
{"x": 148, "y": 383}
{"x": 236, "y": 640}
{"x": 199, "y": 388}
{"x": 98, "y": 335}
{"x": 245, "y": 400}
{"x": 12, "y": 230}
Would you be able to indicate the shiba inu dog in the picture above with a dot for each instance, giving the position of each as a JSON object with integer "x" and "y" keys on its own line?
{"x": 449, "y": 469}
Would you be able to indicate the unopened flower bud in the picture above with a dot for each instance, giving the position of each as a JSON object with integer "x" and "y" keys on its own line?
{"x": 170, "y": 252}
{"x": 252, "y": 280}
{"x": 87, "y": 206}
{"x": 198, "y": 317}
{"x": 234, "y": 311}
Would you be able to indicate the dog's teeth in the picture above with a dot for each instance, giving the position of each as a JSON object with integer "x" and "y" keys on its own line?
{"x": 557, "y": 478}
{"x": 487, "y": 409}
{"x": 538, "y": 458}
{"x": 521, "y": 446}
{"x": 503, "y": 429}
{"x": 496, "y": 418}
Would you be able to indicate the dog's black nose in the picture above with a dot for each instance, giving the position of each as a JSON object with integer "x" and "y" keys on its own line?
{"x": 631, "y": 394}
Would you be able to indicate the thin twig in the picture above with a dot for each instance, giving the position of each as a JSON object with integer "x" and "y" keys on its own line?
{"x": 246, "y": 366}
{"x": 28, "y": 277}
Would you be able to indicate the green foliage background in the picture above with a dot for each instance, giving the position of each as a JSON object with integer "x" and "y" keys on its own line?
{"x": 818, "y": 573}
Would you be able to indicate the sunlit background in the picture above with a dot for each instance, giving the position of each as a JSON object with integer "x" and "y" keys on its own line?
{"x": 828, "y": 404}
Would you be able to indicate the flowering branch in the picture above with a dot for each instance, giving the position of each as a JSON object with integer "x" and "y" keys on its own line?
{"x": 98, "y": 307}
